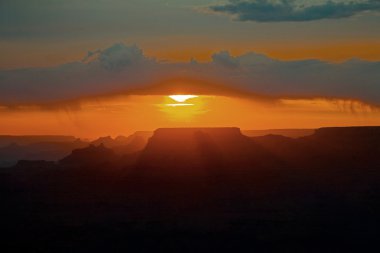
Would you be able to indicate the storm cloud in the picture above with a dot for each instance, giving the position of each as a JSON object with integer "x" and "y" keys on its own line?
{"x": 123, "y": 69}
{"x": 293, "y": 10}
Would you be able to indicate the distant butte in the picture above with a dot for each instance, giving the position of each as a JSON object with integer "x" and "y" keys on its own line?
{"x": 183, "y": 132}
{"x": 192, "y": 149}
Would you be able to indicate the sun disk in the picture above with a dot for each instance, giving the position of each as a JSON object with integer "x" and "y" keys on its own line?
{"x": 181, "y": 98}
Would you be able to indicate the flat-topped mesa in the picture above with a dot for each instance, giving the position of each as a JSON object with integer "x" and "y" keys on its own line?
{"x": 189, "y": 139}
{"x": 181, "y": 148}
{"x": 349, "y": 133}
{"x": 176, "y": 133}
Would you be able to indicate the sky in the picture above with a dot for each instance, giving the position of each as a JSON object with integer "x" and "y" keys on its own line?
{"x": 66, "y": 65}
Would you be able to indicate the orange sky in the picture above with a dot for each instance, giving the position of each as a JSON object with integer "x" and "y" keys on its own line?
{"x": 331, "y": 51}
{"x": 135, "y": 46}
{"x": 34, "y": 54}
{"x": 124, "y": 115}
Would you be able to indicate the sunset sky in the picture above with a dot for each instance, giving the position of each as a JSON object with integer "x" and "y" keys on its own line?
{"x": 107, "y": 67}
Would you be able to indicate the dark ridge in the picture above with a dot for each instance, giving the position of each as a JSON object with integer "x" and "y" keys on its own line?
{"x": 90, "y": 156}
{"x": 293, "y": 133}
{"x": 106, "y": 141}
{"x": 52, "y": 151}
{"x": 125, "y": 145}
{"x": 29, "y": 139}
{"x": 201, "y": 190}
{"x": 196, "y": 150}
{"x": 354, "y": 133}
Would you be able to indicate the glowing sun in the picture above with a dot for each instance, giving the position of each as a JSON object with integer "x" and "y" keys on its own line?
{"x": 182, "y": 98}
{"x": 182, "y": 108}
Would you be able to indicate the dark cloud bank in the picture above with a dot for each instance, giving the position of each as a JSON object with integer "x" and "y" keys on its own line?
{"x": 122, "y": 69}
{"x": 291, "y": 10}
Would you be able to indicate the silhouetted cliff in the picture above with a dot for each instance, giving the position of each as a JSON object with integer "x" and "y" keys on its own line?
{"x": 201, "y": 190}
{"x": 90, "y": 156}
{"x": 195, "y": 150}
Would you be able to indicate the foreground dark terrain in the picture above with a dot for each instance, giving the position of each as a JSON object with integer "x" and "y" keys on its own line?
{"x": 200, "y": 190}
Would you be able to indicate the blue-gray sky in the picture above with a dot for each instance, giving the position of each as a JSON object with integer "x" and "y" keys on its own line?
{"x": 48, "y": 32}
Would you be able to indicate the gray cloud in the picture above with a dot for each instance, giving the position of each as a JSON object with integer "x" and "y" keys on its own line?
{"x": 102, "y": 71}
{"x": 116, "y": 57}
{"x": 124, "y": 69}
{"x": 224, "y": 59}
{"x": 292, "y": 10}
